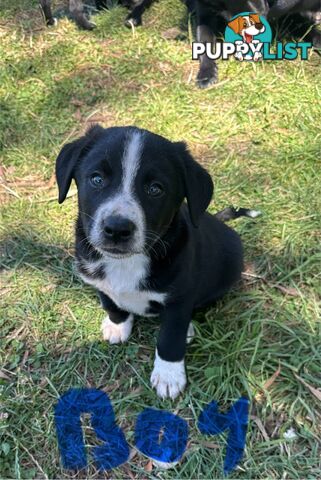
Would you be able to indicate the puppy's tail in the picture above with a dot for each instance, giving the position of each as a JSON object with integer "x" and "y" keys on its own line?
{"x": 230, "y": 213}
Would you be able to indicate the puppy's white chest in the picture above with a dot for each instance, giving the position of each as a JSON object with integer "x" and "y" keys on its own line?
{"x": 122, "y": 281}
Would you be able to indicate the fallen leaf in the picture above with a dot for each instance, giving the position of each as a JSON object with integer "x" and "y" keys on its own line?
{"x": 313, "y": 390}
{"x": 25, "y": 358}
{"x": 149, "y": 466}
{"x": 4, "y": 376}
{"x": 293, "y": 292}
{"x": 171, "y": 33}
{"x": 210, "y": 445}
{"x": 272, "y": 379}
{"x": 260, "y": 426}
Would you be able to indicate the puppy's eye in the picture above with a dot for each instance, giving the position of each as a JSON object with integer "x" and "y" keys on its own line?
{"x": 154, "y": 189}
{"x": 96, "y": 180}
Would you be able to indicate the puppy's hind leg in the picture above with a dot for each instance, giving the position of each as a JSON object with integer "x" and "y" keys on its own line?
{"x": 76, "y": 8}
{"x": 46, "y": 8}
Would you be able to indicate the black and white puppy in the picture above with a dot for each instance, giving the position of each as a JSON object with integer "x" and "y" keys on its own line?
{"x": 140, "y": 245}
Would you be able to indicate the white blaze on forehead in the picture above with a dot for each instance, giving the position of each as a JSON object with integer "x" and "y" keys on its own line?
{"x": 124, "y": 202}
{"x": 131, "y": 160}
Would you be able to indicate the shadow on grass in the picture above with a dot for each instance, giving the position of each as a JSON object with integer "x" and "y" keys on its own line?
{"x": 22, "y": 251}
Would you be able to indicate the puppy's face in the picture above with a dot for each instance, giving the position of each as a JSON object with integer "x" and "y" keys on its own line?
{"x": 130, "y": 185}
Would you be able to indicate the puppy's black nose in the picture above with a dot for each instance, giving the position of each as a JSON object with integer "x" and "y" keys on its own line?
{"x": 118, "y": 229}
{"x": 259, "y": 25}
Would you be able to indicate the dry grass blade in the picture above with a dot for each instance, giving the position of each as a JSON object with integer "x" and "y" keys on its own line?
{"x": 313, "y": 390}
{"x": 272, "y": 379}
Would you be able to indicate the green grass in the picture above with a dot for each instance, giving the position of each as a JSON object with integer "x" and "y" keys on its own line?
{"x": 258, "y": 133}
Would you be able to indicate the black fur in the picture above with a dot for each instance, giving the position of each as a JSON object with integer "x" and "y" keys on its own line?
{"x": 196, "y": 259}
{"x": 76, "y": 8}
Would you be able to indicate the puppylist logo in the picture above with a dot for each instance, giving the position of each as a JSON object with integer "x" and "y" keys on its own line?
{"x": 248, "y": 36}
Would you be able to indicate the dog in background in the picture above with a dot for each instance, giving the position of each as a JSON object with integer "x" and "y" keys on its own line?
{"x": 76, "y": 8}
{"x": 302, "y": 16}
{"x": 144, "y": 249}
{"x": 213, "y": 15}
{"x": 136, "y": 8}
{"x": 211, "y": 19}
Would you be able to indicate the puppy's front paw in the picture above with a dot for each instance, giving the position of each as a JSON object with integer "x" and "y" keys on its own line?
{"x": 131, "y": 22}
{"x": 207, "y": 75}
{"x": 168, "y": 378}
{"x": 117, "y": 332}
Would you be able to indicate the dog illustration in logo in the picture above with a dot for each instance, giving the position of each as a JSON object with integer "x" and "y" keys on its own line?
{"x": 247, "y": 26}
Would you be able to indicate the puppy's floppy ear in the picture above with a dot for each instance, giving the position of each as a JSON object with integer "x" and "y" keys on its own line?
{"x": 70, "y": 155}
{"x": 198, "y": 184}
{"x": 255, "y": 17}
{"x": 236, "y": 24}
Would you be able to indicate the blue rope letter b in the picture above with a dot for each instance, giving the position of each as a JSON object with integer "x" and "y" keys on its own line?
{"x": 70, "y": 406}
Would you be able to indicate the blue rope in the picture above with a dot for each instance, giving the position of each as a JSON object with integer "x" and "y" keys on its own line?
{"x": 150, "y": 424}
{"x": 70, "y": 406}
{"x": 211, "y": 422}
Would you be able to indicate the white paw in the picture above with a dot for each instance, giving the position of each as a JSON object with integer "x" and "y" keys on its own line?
{"x": 164, "y": 465}
{"x": 117, "y": 332}
{"x": 190, "y": 333}
{"x": 168, "y": 378}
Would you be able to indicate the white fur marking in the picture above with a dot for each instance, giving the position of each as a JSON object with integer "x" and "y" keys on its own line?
{"x": 121, "y": 283}
{"x": 253, "y": 213}
{"x": 164, "y": 465}
{"x": 131, "y": 161}
{"x": 168, "y": 378}
{"x": 124, "y": 202}
{"x": 117, "y": 332}
{"x": 190, "y": 333}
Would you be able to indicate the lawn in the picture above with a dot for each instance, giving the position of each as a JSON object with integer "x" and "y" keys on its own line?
{"x": 258, "y": 133}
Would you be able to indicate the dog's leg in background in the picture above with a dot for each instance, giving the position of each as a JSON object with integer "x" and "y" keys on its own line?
{"x": 302, "y": 18}
{"x": 134, "y": 18}
{"x": 117, "y": 325}
{"x": 168, "y": 376}
{"x": 307, "y": 28}
{"x": 46, "y": 8}
{"x": 76, "y": 8}
{"x": 205, "y": 34}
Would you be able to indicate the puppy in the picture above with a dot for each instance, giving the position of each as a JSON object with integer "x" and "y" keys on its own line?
{"x": 144, "y": 249}
{"x": 76, "y": 8}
